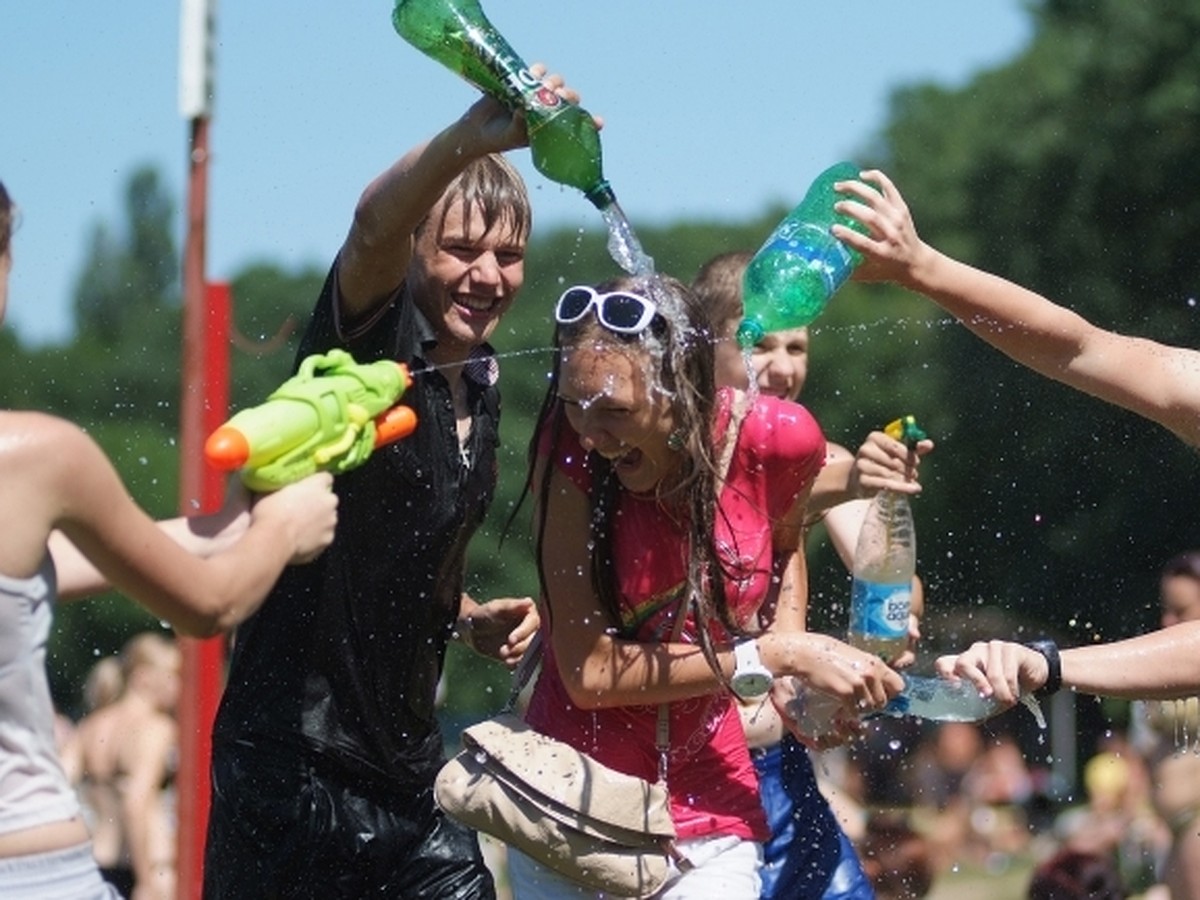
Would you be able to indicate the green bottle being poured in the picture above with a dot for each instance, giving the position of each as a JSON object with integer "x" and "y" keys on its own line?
{"x": 563, "y": 138}
{"x": 801, "y": 264}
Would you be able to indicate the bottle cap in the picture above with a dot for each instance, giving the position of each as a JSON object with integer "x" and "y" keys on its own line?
{"x": 601, "y": 196}
{"x": 905, "y": 429}
{"x": 749, "y": 333}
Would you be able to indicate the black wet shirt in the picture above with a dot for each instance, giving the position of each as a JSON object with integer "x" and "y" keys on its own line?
{"x": 341, "y": 663}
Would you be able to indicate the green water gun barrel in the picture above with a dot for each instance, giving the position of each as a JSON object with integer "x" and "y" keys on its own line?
{"x": 329, "y": 416}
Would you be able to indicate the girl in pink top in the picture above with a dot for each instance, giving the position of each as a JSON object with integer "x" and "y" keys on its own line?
{"x": 625, "y": 471}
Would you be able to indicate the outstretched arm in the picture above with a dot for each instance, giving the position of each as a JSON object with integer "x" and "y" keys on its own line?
{"x": 1154, "y": 380}
{"x": 70, "y": 484}
{"x": 199, "y": 535}
{"x": 375, "y": 256}
{"x": 1161, "y": 665}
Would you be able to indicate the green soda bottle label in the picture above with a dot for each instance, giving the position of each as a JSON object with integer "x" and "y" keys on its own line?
{"x": 521, "y": 87}
{"x": 805, "y": 246}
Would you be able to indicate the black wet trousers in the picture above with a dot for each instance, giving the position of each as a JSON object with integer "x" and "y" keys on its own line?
{"x": 279, "y": 828}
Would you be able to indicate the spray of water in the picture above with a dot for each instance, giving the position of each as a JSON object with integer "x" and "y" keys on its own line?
{"x": 1030, "y": 702}
{"x": 623, "y": 245}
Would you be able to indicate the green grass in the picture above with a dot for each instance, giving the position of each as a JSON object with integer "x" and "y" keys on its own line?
{"x": 976, "y": 882}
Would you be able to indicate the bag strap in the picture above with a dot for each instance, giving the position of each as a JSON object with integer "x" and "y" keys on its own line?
{"x": 524, "y": 671}
{"x": 662, "y": 731}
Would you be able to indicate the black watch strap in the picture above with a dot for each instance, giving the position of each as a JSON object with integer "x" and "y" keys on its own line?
{"x": 1049, "y": 651}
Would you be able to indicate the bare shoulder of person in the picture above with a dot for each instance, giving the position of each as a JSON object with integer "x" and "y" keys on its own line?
{"x": 46, "y": 463}
{"x": 836, "y": 451}
{"x": 64, "y": 465}
{"x": 39, "y": 441}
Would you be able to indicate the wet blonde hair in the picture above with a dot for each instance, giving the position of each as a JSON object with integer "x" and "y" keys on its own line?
{"x": 494, "y": 186}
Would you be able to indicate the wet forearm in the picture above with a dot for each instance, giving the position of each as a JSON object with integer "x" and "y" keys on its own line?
{"x": 1163, "y": 664}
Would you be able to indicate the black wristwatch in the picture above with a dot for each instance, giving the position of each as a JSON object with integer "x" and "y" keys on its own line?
{"x": 1049, "y": 651}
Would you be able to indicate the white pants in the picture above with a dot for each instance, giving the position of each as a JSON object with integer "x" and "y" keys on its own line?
{"x": 724, "y": 868}
{"x": 69, "y": 874}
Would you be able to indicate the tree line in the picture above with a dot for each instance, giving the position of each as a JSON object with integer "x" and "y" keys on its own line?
{"x": 1069, "y": 169}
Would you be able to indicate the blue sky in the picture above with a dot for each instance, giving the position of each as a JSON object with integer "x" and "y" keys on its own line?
{"x": 712, "y": 110}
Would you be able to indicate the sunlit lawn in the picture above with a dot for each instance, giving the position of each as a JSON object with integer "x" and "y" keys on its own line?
{"x": 974, "y": 882}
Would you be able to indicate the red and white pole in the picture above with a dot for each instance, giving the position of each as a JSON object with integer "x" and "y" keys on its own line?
{"x": 204, "y": 406}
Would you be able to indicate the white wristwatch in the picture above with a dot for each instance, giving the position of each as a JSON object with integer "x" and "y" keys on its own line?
{"x": 750, "y": 677}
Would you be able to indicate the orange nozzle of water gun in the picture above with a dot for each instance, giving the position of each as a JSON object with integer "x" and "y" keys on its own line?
{"x": 395, "y": 423}
{"x": 227, "y": 449}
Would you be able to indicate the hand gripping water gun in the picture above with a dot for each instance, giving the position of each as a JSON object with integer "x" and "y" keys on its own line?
{"x": 329, "y": 416}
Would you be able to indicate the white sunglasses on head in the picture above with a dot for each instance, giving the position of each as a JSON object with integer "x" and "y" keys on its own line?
{"x": 619, "y": 311}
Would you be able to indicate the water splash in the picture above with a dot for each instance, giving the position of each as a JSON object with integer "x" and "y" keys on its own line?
{"x": 1030, "y": 702}
{"x": 1184, "y": 715}
{"x": 623, "y": 245}
{"x": 631, "y": 255}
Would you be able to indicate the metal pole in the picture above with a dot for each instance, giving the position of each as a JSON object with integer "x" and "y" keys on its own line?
{"x": 203, "y": 407}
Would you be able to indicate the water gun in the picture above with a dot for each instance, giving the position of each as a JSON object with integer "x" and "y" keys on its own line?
{"x": 329, "y": 416}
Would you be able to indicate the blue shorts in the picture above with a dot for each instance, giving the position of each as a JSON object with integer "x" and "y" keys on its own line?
{"x": 808, "y": 856}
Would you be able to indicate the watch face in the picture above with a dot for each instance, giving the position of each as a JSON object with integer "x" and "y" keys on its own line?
{"x": 751, "y": 684}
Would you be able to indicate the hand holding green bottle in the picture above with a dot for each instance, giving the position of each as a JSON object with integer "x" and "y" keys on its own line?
{"x": 801, "y": 264}
{"x": 563, "y": 137}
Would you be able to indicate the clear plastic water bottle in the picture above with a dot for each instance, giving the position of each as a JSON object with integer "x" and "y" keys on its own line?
{"x": 885, "y": 561}
{"x": 801, "y": 264}
{"x": 941, "y": 700}
{"x": 811, "y": 712}
{"x": 563, "y": 137}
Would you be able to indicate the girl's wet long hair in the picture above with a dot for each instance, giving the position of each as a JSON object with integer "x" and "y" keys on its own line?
{"x": 677, "y": 349}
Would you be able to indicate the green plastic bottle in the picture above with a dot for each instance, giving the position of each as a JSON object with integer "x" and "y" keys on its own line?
{"x": 563, "y": 138}
{"x": 801, "y": 264}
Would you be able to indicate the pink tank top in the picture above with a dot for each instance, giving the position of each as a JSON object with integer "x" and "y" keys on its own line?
{"x": 711, "y": 777}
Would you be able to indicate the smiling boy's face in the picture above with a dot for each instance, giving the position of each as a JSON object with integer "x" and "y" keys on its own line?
{"x": 464, "y": 279}
{"x": 780, "y": 362}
